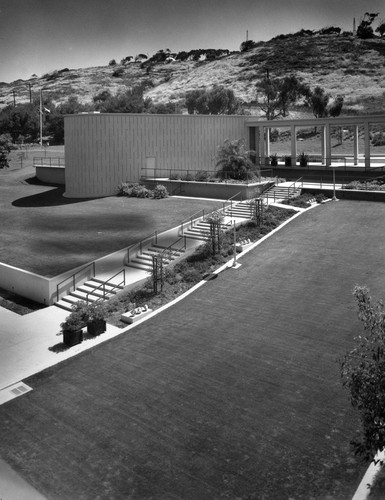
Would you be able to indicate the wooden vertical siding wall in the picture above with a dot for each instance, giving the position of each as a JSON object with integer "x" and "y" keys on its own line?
{"x": 103, "y": 150}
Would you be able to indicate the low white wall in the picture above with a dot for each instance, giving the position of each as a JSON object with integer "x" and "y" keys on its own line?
{"x": 24, "y": 283}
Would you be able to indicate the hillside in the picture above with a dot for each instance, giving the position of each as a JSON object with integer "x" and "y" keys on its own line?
{"x": 341, "y": 64}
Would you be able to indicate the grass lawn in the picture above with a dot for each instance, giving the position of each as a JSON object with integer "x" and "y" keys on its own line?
{"x": 232, "y": 393}
{"x": 45, "y": 233}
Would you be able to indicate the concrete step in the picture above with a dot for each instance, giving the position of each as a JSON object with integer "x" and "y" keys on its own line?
{"x": 137, "y": 264}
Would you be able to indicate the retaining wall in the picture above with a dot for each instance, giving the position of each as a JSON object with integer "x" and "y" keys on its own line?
{"x": 51, "y": 175}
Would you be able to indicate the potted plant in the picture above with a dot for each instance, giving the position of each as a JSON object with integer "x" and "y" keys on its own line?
{"x": 96, "y": 323}
{"x": 303, "y": 159}
{"x": 72, "y": 329}
{"x": 274, "y": 160}
{"x": 287, "y": 161}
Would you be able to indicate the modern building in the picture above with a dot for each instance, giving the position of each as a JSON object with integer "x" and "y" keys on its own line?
{"x": 103, "y": 150}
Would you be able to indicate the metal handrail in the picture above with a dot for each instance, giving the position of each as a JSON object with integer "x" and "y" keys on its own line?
{"x": 292, "y": 186}
{"x": 55, "y": 161}
{"x": 172, "y": 251}
{"x": 73, "y": 277}
{"x": 191, "y": 219}
{"x": 231, "y": 201}
{"x": 105, "y": 283}
{"x": 152, "y": 235}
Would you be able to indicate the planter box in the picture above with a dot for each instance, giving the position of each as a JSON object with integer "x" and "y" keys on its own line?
{"x": 96, "y": 327}
{"x": 71, "y": 338}
{"x": 135, "y": 315}
{"x": 216, "y": 190}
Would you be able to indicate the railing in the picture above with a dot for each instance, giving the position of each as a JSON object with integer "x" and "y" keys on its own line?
{"x": 170, "y": 251}
{"x": 201, "y": 175}
{"x": 102, "y": 286}
{"x": 153, "y": 236}
{"x": 292, "y": 187}
{"x": 48, "y": 162}
{"x": 191, "y": 219}
{"x": 73, "y": 278}
{"x": 231, "y": 201}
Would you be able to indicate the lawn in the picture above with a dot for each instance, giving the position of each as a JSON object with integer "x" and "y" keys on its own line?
{"x": 45, "y": 233}
{"x": 231, "y": 393}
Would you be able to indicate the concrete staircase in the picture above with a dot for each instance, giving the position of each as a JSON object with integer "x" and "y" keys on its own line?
{"x": 172, "y": 244}
{"x": 143, "y": 260}
{"x": 92, "y": 290}
{"x": 281, "y": 192}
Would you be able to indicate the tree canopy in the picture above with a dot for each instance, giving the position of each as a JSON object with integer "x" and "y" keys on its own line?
{"x": 363, "y": 375}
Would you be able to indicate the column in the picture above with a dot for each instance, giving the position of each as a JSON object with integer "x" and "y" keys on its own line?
{"x": 293, "y": 145}
{"x": 323, "y": 145}
{"x": 328, "y": 159}
{"x": 261, "y": 146}
{"x": 367, "y": 144}
{"x": 267, "y": 141}
{"x": 355, "y": 144}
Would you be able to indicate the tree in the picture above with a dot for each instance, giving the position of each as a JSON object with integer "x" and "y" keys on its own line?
{"x": 278, "y": 94}
{"x": 291, "y": 89}
{"x": 318, "y": 101}
{"x": 215, "y": 219}
{"x": 234, "y": 161}
{"x": 218, "y": 100}
{"x": 6, "y": 147}
{"x": 129, "y": 101}
{"x": 271, "y": 103}
{"x": 381, "y": 28}
{"x": 363, "y": 375}
{"x": 365, "y": 29}
{"x": 336, "y": 108}
{"x": 247, "y": 45}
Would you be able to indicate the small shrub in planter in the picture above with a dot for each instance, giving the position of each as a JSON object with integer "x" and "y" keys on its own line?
{"x": 160, "y": 192}
{"x": 303, "y": 160}
{"x": 175, "y": 177}
{"x": 287, "y": 161}
{"x": 201, "y": 176}
{"x": 188, "y": 177}
{"x": 72, "y": 329}
{"x": 273, "y": 160}
{"x": 93, "y": 315}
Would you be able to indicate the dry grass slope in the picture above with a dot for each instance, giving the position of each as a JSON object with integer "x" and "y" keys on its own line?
{"x": 340, "y": 64}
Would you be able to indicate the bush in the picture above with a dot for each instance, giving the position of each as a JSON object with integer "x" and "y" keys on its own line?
{"x": 188, "y": 177}
{"x": 134, "y": 190}
{"x": 160, "y": 192}
{"x": 118, "y": 73}
{"x": 201, "y": 176}
{"x": 378, "y": 139}
{"x": 175, "y": 176}
{"x": 234, "y": 162}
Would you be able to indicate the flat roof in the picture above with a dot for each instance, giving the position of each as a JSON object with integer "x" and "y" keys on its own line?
{"x": 314, "y": 122}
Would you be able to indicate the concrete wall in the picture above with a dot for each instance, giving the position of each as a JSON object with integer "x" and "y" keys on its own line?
{"x": 51, "y": 175}
{"x": 103, "y": 150}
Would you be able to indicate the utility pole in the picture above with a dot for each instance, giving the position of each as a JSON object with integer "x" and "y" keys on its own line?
{"x": 41, "y": 118}
{"x": 14, "y": 98}
{"x": 247, "y": 35}
{"x": 30, "y": 93}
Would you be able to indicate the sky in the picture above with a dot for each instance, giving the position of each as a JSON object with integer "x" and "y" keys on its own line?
{"x": 40, "y": 36}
